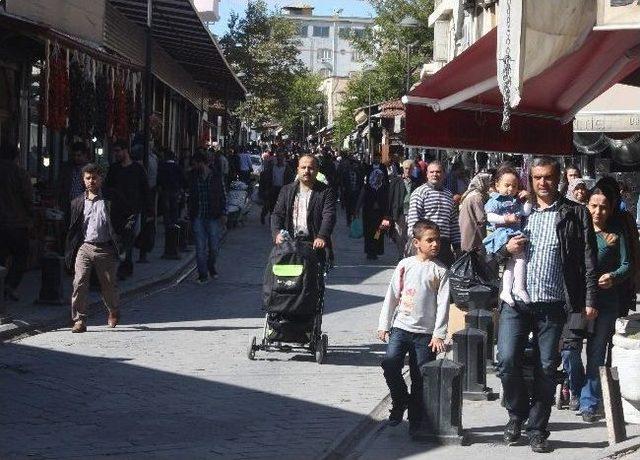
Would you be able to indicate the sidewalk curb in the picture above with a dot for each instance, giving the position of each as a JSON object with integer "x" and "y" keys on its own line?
{"x": 345, "y": 447}
{"x": 621, "y": 449}
{"x": 23, "y": 329}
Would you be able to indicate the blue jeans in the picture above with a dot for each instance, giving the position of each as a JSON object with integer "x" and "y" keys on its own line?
{"x": 546, "y": 321}
{"x": 208, "y": 234}
{"x": 402, "y": 342}
{"x": 573, "y": 366}
{"x": 596, "y": 351}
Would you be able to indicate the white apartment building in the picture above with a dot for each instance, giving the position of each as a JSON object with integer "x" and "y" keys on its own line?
{"x": 325, "y": 47}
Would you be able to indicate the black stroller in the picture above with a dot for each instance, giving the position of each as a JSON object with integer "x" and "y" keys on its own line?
{"x": 293, "y": 298}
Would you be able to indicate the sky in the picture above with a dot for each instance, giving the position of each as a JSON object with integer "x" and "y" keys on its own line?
{"x": 322, "y": 7}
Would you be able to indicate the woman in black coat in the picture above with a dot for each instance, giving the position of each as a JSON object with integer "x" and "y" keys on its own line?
{"x": 374, "y": 202}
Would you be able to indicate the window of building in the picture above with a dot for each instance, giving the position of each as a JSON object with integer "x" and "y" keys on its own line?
{"x": 303, "y": 30}
{"x": 320, "y": 31}
{"x": 344, "y": 33}
{"x": 325, "y": 73}
{"x": 359, "y": 32}
{"x": 324, "y": 54}
{"x": 357, "y": 56}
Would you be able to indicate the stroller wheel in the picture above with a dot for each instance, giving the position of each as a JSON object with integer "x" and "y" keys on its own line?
{"x": 251, "y": 351}
{"x": 321, "y": 350}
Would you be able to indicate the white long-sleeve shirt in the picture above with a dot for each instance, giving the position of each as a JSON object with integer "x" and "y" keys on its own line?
{"x": 417, "y": 299}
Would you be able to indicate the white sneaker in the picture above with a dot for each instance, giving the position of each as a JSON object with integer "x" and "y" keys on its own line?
{"x": 523, "y": 295}
{"x": 506, "y": 297}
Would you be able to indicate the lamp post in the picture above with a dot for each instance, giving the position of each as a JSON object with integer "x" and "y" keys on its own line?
{"x": 148, "y": 84}
{"x": 409, "y": 22}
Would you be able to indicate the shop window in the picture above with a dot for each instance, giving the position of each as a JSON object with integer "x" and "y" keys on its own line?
{"x": 320, "y": 31}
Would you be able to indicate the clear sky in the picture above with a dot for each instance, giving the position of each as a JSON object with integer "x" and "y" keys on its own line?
{"x": 322, "y": 7}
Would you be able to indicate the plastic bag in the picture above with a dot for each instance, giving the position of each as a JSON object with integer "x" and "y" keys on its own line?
{"x": 357, "y": 230}
{"x": 474, "y": 285}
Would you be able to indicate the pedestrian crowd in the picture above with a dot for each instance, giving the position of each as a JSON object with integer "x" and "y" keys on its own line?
{"x": 570, "y": 251}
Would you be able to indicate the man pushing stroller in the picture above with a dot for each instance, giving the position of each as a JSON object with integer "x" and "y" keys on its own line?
{"x": 306, "y": 208}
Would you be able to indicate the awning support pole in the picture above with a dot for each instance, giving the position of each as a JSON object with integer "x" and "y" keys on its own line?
{"x": 454, "y": 99}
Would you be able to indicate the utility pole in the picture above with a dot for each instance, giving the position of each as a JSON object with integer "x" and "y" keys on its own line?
{"x": 148, "y": 84}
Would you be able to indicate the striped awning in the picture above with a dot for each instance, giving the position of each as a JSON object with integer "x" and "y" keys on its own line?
{"x": 178, "y": 29}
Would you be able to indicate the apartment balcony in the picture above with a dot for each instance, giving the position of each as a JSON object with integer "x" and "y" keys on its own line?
{"x": 443, "y": 10}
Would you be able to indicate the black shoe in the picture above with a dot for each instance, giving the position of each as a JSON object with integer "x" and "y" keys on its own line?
{"x": 512, "y": 431}
{"x": 6, "y": 319}
{"x": 539, "y": 444}
{"x": 589, "y": 416}
{"x": 396, "y": 415}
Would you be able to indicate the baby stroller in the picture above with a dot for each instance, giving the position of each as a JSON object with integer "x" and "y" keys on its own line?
{"x": 293, "y": 299}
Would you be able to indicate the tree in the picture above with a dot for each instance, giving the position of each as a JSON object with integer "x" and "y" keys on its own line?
{"x": 386, "y": 46}
{"x": 303, "y": 95}
{"x": 261, "y": 49}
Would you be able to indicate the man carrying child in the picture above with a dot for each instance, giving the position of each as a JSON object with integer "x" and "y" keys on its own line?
{"x": 414, "y": 320}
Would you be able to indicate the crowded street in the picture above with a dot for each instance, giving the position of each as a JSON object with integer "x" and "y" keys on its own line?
{"x": 324, "y": 230}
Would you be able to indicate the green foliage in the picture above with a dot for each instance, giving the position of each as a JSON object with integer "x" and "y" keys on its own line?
{"x": 386, "y": 45}
{"x": 303, "y": 95}
{"x": 261, "y": 47}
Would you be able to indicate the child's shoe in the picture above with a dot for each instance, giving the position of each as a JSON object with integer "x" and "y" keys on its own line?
{"x": 396, "y": 414}
{"x": 523, "y": 295}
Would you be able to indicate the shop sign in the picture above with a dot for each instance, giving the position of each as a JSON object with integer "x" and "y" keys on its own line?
{"x": 606, "y": 123}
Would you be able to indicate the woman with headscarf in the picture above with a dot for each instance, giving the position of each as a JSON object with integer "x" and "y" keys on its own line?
{"x": 472, "y": 218}
{"x": 577, "y": 191}
{"x": 374, "y": 202}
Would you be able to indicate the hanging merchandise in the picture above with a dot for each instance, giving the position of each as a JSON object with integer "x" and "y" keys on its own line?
{"x": 58, "y": 106}
{"x": 121, "y": 114}
{"x": 101, "y": 112}
{"x": 110, "y": 102}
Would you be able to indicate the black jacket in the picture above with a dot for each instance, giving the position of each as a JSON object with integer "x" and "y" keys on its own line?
{"x": 217, "y": 199}
{"x": 121, "y": 225}
{"x": 579, "y": 251}
{"x": 132, "y": 182}
{"x": 321, "y": 218}
{"x": 397, "y": 194}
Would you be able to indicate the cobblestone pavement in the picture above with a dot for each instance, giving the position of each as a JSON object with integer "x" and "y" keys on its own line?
{"x": 173, "y": 380}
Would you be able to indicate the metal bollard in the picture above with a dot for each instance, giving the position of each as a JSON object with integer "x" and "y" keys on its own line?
{"x": 441, "y": 420}
{"x": 171, "y": 239}
{"x": 52, "y": 287}
{"x": 483, "y": 320}
{"x": 469, "y": 350}
{"x": 5, "y": 318}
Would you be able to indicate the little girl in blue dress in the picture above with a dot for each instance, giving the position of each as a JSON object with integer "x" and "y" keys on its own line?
{"x": 505, "y": 211}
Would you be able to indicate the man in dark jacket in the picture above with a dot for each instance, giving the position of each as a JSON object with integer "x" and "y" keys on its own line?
{"x": 351, "y": 180}
{"x": 100, "y": 227}
{"x": 171, "y": 182}
{"x": 305, "y": 208}
{"x": 129, "y": 178}
{"x": 208, "y": 213}
{"x": 16, "y": 217}
{"x": 561, "y": 279}
{"x": 400, "y": 189}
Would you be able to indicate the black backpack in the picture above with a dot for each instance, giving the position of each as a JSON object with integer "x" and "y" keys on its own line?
{"x": 291, "y": 279}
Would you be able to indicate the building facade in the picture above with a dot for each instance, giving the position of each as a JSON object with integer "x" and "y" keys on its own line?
{"x": 325, "y": 45}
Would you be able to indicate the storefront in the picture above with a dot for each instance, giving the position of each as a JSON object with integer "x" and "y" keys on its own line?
{"x": 58, "y": 87}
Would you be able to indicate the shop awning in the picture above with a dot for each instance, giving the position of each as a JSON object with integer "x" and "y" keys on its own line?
{"x": 460, "y": 106}
{"x": 178, "y": 29}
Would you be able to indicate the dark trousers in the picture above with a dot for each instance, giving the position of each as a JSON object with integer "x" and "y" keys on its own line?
{"x": 170, "y": 200}
{"x": 14, "y": 243}
{"x": 402, "y": 342}
{"x": 546, "y": 321}
{"x": 350, "y": 201}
